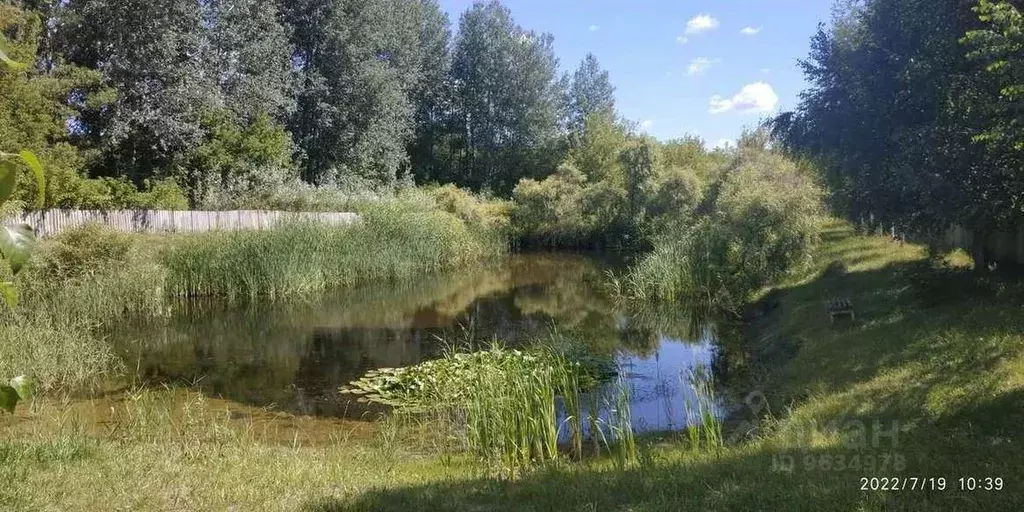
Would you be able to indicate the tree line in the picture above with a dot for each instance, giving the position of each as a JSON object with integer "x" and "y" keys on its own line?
{"x": 214, "y": 100}
{"x": 915, "y": 113}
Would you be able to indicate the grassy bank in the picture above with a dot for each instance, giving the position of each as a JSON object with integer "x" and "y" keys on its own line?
{"x": 86, "y": 279}
{"x": 937, "y": 351}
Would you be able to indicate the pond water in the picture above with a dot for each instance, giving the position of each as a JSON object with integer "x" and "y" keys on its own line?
{"x": 294, "y": 356}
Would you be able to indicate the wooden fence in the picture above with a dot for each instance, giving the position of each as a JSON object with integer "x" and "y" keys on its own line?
{"x": 1004, "y": 246}
{"x": 51, "y": 222}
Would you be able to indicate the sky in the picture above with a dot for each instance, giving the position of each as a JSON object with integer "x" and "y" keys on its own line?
{"x": 683, "y": 67}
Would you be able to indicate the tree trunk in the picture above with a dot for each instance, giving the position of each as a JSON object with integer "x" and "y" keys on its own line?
{"x": 978, "y": 252}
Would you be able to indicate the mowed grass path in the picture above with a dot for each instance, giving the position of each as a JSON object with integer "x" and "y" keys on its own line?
{"x": 941, "y": 357}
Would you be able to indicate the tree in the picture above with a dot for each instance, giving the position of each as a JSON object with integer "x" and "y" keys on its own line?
{"x": 249, "y": 54}
{"x": 432, "y": 96}
{"x": 36, "y": 103}
{"x": 507, "y": 100}
{"x": 999, "y": 46}
{"x": 359, "y": 63}
{"x": 590, "y": 93}
{"x": 151, "y": 53}
{"x": 890, "y": 117}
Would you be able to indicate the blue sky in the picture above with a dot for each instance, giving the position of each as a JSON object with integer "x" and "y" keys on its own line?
{"x": 683, "y": 66}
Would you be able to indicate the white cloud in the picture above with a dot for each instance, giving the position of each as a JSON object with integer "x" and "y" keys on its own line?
{"x": 647, "y": 123}
{"x": 594, "y": 28}
{"x": 700, "y": 65}
{"x": 701, "y": 23}
{"x": 755, "y": 97}
{"x": 682, "y": 40}
{"x": 750, "y": 31}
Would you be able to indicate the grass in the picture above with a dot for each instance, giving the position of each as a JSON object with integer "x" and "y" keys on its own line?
{"x": 392, "y": 241}
{"x": 947, "y": 367}
{"x": 85, "y": 280}
{"x": 510, "y": 408}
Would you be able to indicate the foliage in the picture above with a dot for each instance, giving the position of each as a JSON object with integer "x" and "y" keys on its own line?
{"x": 16, "y": 244}
{"x": 238, "y": 163}
{"x": 486, "y": 215}
{"x": 506, "y": 401}
{"x": 1000, "y": 47}
{"x": 564, "y": 210}
{"x": 391, "y": 240}
{"x": 614, "y": 191}
{"x": 590, "y": 93}
{"x": 504, "y": 133}
{"x": 92, "y": 247}
{"x": 759, "y": 223}
{"x": 910, "y": 126}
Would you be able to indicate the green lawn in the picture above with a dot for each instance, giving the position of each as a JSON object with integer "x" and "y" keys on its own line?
{"x": 933, "y": 367}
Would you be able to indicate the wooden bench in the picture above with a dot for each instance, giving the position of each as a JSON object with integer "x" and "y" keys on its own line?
{"x": 840, "y": 307}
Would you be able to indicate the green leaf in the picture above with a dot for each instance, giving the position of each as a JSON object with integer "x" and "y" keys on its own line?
{"x": 16, "y": 243}
{"x": 24, "y": 386}
{"x": 33, "y": 164}
{"x": 10, "y": 294}
{"x": 8, "y": 398}
{"x": 8, "y": 179}
{"x": 11, "y": 63}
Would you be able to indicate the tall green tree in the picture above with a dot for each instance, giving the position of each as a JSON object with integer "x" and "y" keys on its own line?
{"x": 37, "y": 101}
{"x": 249, "y": 55}
{"x": 507, "y": 100}
{"x": 891, "y": 114}
{"x": 429, "y": 155}
{"x": 151, "y": 53}
{"x": 360, "y": 65}
{"x": 590, "y": 92}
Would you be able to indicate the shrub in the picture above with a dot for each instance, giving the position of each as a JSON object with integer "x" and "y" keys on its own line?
{"x": 92, "y": 247}
{"x": 475, "y": 211}
{"x": 564, "y": 210}
{"x": 761, "y": 223}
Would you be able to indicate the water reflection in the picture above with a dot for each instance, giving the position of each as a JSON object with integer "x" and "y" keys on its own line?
{"x": 294, "y": 356}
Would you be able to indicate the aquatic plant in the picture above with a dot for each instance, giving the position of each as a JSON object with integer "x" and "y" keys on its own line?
{"x": 392, "y": 240}
{"x": 504, "y": 402}
{"x": 703, "y": 426}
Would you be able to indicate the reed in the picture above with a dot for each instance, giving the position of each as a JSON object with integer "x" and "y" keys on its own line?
{"x": 514, "y": 409}
{"x": 392, "y": 241}
{"x": 704, "y": 427}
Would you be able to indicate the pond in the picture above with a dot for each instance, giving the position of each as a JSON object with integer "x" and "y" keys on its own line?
{"x": 294, "y": 356}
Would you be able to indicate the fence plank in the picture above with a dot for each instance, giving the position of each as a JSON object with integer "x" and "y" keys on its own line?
{"x": 51, "y": 222}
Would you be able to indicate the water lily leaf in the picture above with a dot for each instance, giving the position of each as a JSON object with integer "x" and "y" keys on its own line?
{"x": 24, "y": 386}
{"x": 8, "y": 398}
{"x": 16, "y": 243}
{"x": 11, "y": 63}
{"x": 9, "y": 293}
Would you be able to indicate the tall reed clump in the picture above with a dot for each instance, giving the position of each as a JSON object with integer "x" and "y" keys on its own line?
{"x": 703, "y": 426}
{"x": 392, "y": 240}
{"x": 511, "y": 407}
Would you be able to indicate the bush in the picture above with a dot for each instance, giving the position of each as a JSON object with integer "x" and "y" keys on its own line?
{"x": 90, "y": 248}
{"x": 119, "y": 194}
{"x": 761, "y": 223}
{"x": 564, "y": 210}
{"x": 473, "y": 210}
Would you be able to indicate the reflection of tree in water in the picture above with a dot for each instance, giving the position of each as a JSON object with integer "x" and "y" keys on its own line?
{"x": 295, "y": 355}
